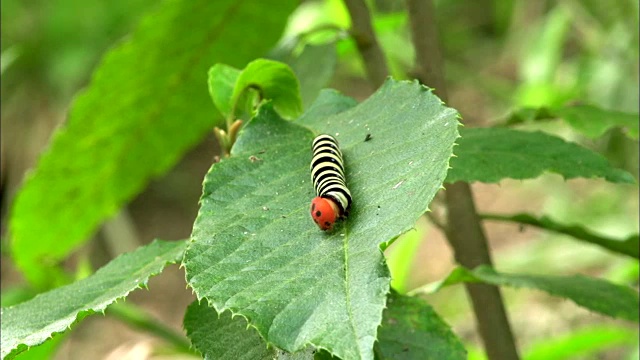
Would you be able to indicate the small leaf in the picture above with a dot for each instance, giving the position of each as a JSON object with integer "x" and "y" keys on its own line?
{"x": 492, "y": 154}
{"x": 145, "y": 107}
{"x": 592, "y": 121}
{"x": 629, "y": 246}
{"x": 256, "y": 251}
{"x": 228, "y": 337}
{"x": 594, "y": 294}
{"x": 273, "y": 80}
{"x": 34, "y": 321}
{"x": 222, "y": 80}
{"x": 412, "y": 330}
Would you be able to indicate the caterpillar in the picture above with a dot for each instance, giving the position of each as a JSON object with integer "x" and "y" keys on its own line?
{"x": 333, "y": 198}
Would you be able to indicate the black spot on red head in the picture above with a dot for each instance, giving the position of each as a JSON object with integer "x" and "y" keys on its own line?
{"x": 326, "y": 223}
{"x": 318, "y": 213}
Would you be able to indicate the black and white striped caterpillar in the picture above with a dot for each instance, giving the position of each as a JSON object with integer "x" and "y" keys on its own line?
{"x": 333, "y": 198}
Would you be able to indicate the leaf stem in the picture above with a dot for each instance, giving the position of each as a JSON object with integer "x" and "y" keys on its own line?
{"x": 362, "y": 32}
{"x": 464, "y": 231}
{"x": 139, "y": 319}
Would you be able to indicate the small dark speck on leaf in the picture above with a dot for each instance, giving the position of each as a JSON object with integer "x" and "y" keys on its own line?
{"x": 262, "y": 151}
{"x": 368, "y": 137}
{"x": 284, "y": 216}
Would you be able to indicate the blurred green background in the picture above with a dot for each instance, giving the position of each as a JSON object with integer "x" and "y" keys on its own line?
{"x": 500, "y": 55}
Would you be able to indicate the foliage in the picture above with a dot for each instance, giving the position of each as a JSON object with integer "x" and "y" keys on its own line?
{"x": 34, "y": 321}
{"x": 253, "y": 235}
{"x": 144, "y": 108}
{"x": 629, "y": 246}
{"x": 411, "y": 329}
{"x": 592, "y": 121}
{"x": 597, "y": 295}
{"x": 492, "y": 154}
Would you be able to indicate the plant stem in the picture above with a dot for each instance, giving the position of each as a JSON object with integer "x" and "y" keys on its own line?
{"x": 464, "y": 231}
{"x": 424, "y": 35}
{"x": 362, "y": 32}
{"x": 138, "y": 318}
{"x": 466, "y": 236}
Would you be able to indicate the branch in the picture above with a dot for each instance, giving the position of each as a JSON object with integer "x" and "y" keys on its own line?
{"x": 628, "y": 246}
{"x": 365, "y": 38}
{"x": 464, "y": 231}
{"x": 424, "y": 35}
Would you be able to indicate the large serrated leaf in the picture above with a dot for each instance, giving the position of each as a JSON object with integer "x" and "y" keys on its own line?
{"x": 225, "y": 337}
{"x": 594, "y": 294}
{"x": 146, "y": 105}
{"x": 412, "y": 330}
{"x": 34, "y": 321}
{"x": 492, "y": 154}
{"x": 256, "y": 251}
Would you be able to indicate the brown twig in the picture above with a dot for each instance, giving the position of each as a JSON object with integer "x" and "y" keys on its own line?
{"x": 365, "y": 38}
{"x": 424, "y": 35}
{"x": 464, "y": 231}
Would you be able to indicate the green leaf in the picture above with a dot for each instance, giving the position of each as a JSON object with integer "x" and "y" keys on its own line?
{"x": 34, "y": 321}
{"x": 7, "y": 57}
{"x": 226, "y": 337}
{"x": 401, "y": 254}
{"x": 146, "y": 105}
{"x": 46, "y": 350}
{"x": 314, "y": 68}
{"x": 273, "y": 80}
{"x": 328, "y": 103}
{"x": 542, "y": 59}
{"x": 222, "y": 80}
{"x": 629, "y": 246}
{"x": 255, "y": 250}
{"x": 492, "y": 154}
{"x": 583, "y": 343}
{"x": 411, "y": 329}
{"x": 594, "y": 294}
{"x": 592, "y": 121}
